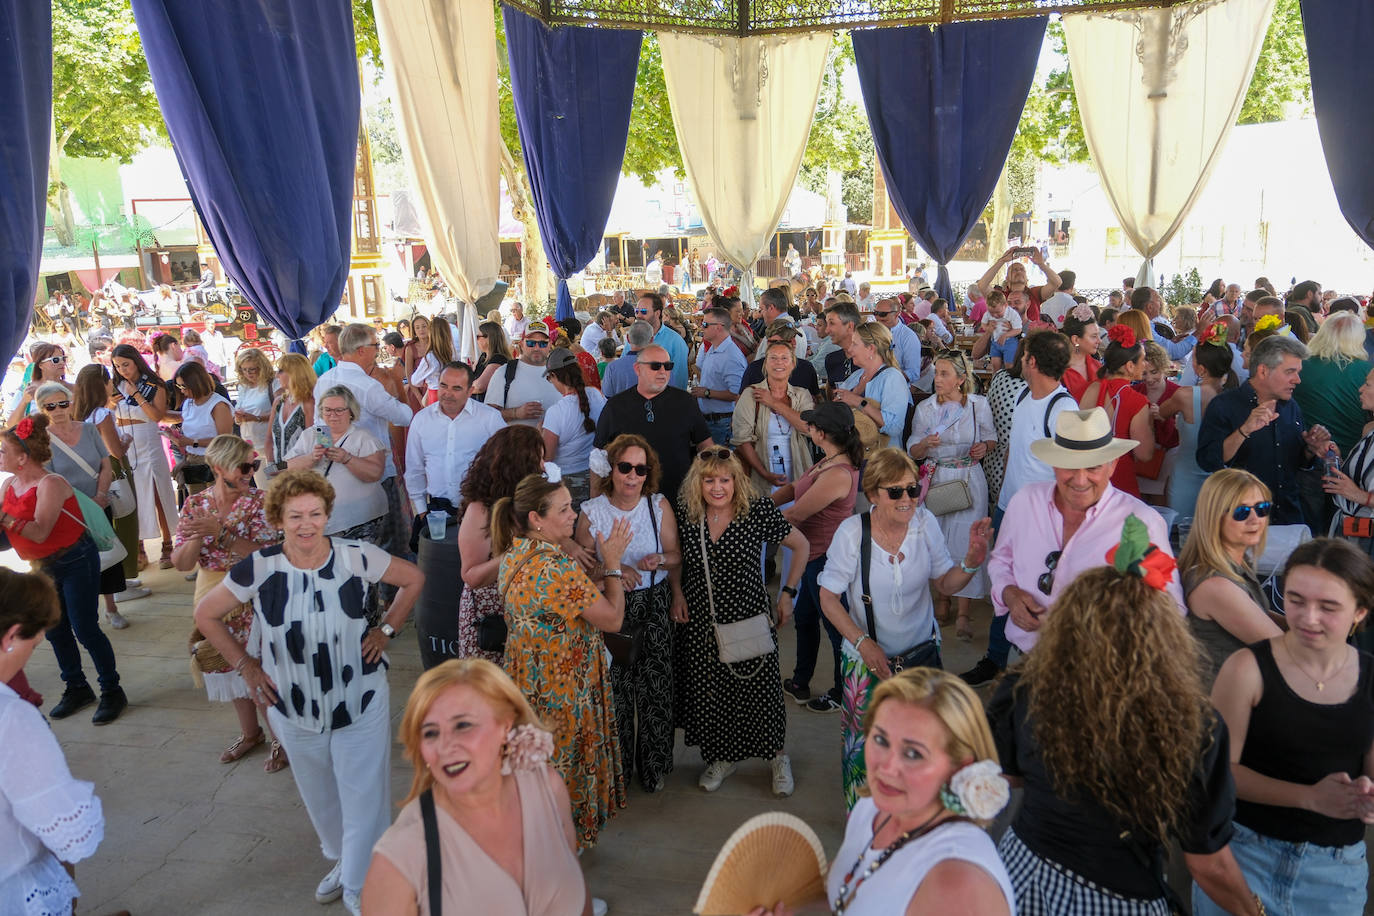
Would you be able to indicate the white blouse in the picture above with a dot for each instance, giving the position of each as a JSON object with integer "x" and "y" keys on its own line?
{"x": 645, "y": 538}
{"x": 564, "y": 420}
{"x": 198, "y": 421}
{"x": 355, "y": 501}
{"x": 46, "y": 816}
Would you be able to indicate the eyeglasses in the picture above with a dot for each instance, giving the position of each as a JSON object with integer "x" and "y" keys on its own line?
{"x": 657, "y": 365}
{"x": 57, "y": 405}
{"x": 1046, "y": 581}
{"x": 624, "y": 467}
{"x": 250, "y": 467}
{"x": 1241, "y": 513}
{"x": 335, "y": 411}
{"x": 538, "y": 344}
{"x": 912, "y": 490}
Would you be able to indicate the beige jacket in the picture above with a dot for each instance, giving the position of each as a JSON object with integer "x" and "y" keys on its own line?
{"x": 750, "y": 424}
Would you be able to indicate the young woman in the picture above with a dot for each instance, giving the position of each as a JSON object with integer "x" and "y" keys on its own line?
{"x": 1084, "y": 336}
{"x": 1122, "y": 365}
{"x": 141, "y": 405}
{"x": 415, "y": 352}
{"x": 205, "y": 414}
{"x": 495, "y": 352}
{"x": 424, "y": 380}
{"x": 1212, "y": 364}
{"x": 294, "y": 409}
{"x": 570, "y": 423}
{"x": 256, "y": 390}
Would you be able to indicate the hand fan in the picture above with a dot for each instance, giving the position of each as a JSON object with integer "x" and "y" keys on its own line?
{"x": 771, "y": 857}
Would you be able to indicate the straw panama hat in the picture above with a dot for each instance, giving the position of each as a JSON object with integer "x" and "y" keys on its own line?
{"x": 1082, "y": 439}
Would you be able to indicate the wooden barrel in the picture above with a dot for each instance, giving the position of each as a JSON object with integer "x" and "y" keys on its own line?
{"x": 436, "y": 613}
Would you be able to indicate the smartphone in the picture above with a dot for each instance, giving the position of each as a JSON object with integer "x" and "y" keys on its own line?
{"x": 1025, "y": 252}
{"x": 323, "y": 437}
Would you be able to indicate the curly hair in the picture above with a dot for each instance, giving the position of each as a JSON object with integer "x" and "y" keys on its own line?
{"x": 1116, "y": 701}
{"x": 709, "y": 466}
{"x": 500, "y": 464}
{"x": 287, "y": 485}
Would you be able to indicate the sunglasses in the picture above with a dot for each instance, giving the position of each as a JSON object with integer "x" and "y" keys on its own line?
{"x": 624, "y": 467}
{"x": 912, "y": 490}
{"x": 1241, "y": 513}
{"x": 1046, "y": 581}
{"x": 539, "y": 344}
{"x": 55, "y": 360}
{"x": 722, "y": 454}
{"x": 250, "y": 467}
{"x": 57, "y": 405}
{"x": 658, "y": 366}
{"x": 641, "y": 311}
{"x": 878, "y": 314}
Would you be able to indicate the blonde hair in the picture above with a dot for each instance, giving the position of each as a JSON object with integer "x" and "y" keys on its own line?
{"x": 959, "y": 709}
{"x": 478, "y": 674}
{"x": 885, "y": 467}
{"x": 226, "y": 451}
{"x": 877, "y": 336}
{"x": 441, "y": 341}
{"x": 1204, "y": 552}
{"x": 258, "y": 358}
{"x": 711, "y": 466}
{"x": 1157, "y": 356}
{"x": 300, "y": 377}
{"x": 962, "y": 367}
{"x": 1340, "y": 340}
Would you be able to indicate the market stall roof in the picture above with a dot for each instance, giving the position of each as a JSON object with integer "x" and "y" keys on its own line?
{"x": 746, "y": 17}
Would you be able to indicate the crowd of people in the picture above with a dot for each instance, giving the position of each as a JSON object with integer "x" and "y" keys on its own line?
{"x": 639, "y": 503}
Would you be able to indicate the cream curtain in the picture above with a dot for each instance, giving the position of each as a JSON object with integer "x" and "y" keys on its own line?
{"x": 441, "y": 60}
{"x": 1158, "y": 90}
{"x": 742, "y": 109}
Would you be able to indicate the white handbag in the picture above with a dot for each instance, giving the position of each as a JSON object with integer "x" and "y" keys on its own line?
{"x": 742, "y": 640}
{"x": 119, "y": 494}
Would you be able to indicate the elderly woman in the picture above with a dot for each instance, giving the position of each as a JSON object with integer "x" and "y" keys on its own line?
{"x": 219, "y": 526}
{"x": 205, "y": 414}
{"x": 767, "y": 428}
{"x": 256, "y": 389}
{"x": 141, "y": 405}
{"x": 729, "y": 700}
{"x": 916, "y": 844}
{"x": 877, "y": 389}
{"x": 1102, "y": 803}
{"x": 952, "y": 433}
{"x": 322, "y": 676}
{"x": 889, "y": 556}
{"x": 498, "y": 467}
{"x": 643, "y": 686}
{"x": 570, "y": 424}
{"x": 471, "y": 737}
{"x": 1301, "y": 708}
{"x": 1227, "y": 609}
{"x": 554, "y": 650}
{"x": 48, "y": 820}
{"x": 294, "y": 409}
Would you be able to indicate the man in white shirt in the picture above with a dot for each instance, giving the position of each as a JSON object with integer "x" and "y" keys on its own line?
{"x": 516, "y": 324}
{"x": 357, "y": 357}
{"x": 848, "y": 284}
{"x": 598, "y": 330}
{"x": 774, "y": 304}
{"x": 866, "y": 300}
{"x": 722, "y": 367}
{"x": 519, "y": 389}
{"x": 906, "y": 346}
{"x": 1058, "y": 305}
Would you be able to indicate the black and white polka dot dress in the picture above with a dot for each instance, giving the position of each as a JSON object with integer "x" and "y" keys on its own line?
{"x": 731, "y": 712}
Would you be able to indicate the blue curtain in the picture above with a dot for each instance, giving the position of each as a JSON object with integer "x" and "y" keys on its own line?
{"x": 943, "y": 105}
{"x": 26, "y": 99}
{"x": 261, "y": 102}
{"x": 573, "y": 88}
{"x": 1339, "y": 36}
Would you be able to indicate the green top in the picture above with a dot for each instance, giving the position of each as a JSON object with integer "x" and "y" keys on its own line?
{"x": 1330, "y": 395}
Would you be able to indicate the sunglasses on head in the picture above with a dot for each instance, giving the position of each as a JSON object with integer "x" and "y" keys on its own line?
{"x": 57, "y": 405}
{"x": 1241, "y": 513}
{"x": 912, "y": 490}
{"x": 721, "y": 454}
{"x": 658, "y": 365}
{"x": 537, "y": 343}
{"x": 624, "y": 467}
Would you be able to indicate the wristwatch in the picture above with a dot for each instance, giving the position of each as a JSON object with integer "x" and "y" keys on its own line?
{"x": 863, "y": 403}
{"x": 388, "y": 630}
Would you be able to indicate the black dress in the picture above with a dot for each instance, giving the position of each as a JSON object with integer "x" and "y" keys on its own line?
{"x": 733, "y": 712}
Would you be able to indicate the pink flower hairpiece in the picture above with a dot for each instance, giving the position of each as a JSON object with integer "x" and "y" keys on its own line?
{"x": 528, "y": 747}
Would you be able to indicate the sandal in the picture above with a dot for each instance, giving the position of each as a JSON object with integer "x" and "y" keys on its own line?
{"x": 962, "y": 629}
{"x": 242, "y": 745}
{"x": 276, "y": 760}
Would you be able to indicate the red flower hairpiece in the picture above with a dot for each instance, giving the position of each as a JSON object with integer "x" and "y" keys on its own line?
{"x": 1135, "y": 555}
{"x": 731, "y": 292}
{"x": 1122, "y": 335}
{"x": 1214, "y": 334}
{"x": 25, "y": 428}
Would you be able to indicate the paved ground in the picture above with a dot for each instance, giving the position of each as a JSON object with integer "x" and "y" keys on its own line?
{"x": 186, "y": 834}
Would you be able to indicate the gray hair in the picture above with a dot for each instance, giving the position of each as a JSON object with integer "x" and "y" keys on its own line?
{"x": 355, "y": 336}
{"x": 355, "y": 410}
{"x": 47, "y": 389}
{"x": 1271, "y": 351}
{"x": 640, "y": 335}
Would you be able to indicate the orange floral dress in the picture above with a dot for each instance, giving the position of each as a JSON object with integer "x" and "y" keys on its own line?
{"x": 558, "y": 660}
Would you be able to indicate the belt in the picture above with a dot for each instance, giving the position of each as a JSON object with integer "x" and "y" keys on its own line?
{"x": 53, "y": 557}
{"x": 719, "y": 416}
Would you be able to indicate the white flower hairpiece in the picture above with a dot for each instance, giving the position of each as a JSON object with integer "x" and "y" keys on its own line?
{"x": 599, "y": 463}
{"x": 978, "y": 790}
{"x": 1082, "y": 312}
{"x": 528, "y": 747}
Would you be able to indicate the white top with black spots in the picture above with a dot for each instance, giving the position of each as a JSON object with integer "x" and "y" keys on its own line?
{"x": 312, "y": 623}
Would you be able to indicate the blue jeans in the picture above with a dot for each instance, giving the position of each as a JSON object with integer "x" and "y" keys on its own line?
{"x": 805, "y": 616}
{"x": 720, "y": 431}
{"x": 76, "y": 574}
{"x": 1295, "y": 877}
{"x": 999, "y": 647}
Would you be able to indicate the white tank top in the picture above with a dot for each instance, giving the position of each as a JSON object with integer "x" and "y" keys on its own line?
{"x": 891, "y": 887}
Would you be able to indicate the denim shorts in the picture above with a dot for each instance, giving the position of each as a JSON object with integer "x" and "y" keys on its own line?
{"x": 1006, "y": 352}
{"x": 1296, "y": 877}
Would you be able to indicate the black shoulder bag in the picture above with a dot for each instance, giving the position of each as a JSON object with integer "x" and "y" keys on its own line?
{"x": 922, "y": 655}
{"x": 432, "y": 849}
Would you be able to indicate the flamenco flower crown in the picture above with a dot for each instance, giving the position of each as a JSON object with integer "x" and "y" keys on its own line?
{"x": 1136, "y": 556}
{"x": 1123, "y": 335}
{"x": 1215, "y": 334}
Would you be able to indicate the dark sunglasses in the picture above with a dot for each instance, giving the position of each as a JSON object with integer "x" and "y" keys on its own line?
{"x": 1046, "y": 581}
{"x": 57, "y": 405}
{"x": 641, "y": 311}
{"x": 912, "y": 490}
{"x": 878, "y": 314}
{"x": 537, "y": 343}
{"x": 250, "y": 467}
{"x": 1241, "y": 513}
{"x": 658, "y": 366}
{"x": 625, "y": 467}
{"x": 722, "y": 454}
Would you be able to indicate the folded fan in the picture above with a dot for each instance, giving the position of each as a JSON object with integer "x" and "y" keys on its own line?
{"x": 772, "y": 857}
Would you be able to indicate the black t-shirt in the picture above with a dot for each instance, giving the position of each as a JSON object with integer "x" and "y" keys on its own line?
{"x": 838, "y": 367}
{"x": 671, "y": 422}
{"x": 1083, "y": 836}
{"x": 804, "y": 376}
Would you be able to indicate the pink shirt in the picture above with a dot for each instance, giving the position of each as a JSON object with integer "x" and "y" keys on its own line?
{"x": 1033, "y": 526}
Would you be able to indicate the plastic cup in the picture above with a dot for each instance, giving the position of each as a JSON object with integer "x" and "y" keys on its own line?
{"x": 438, "y": 524}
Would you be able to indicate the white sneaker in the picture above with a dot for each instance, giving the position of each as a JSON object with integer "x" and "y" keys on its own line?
{"x": 715, "y": 774}
{"x": 783, "y": 784}
{"x": 353, "y": 902}
{"x": 132, "y": 593}
{"x": 599, "y": 907}
{"x": 330, "y": 887}
{"x": 117, "y": 621}
{"x": 133, "y": 583}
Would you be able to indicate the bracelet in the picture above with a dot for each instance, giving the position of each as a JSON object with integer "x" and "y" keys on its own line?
{"x": 243, "y": 661}
{"x": 965, "y": 567}
{"x": 859, "y": 642}
{"x": 612, "y": 574}
{"x": 1368, "y": 497}
{"x": 1243, "y": 433}
{"x": 789, "y": 589}
{"x": 1259, "y": 905}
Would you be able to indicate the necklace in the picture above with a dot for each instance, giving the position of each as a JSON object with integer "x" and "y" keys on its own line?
{"x": 846, "y": 895}
{"x": 1321, "y": 683}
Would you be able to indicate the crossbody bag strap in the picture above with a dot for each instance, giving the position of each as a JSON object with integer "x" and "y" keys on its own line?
{"x": 706, "y": 568}
{"x": 329, "y": 465}
{"x": 658, "y": 544}
{"x": 510, "y": 580}
{"x": 865, "y": 560}
{"x": 71, "y": 453}
{"x": 433, "y": 858}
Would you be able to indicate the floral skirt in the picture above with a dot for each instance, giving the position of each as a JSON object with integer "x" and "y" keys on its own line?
{"x": 859, "y": 684}
{"x": 475, "y": 605}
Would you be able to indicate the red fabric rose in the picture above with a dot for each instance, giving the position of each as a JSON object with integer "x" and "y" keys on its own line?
{"x": 25, "y": 428}
{"x": 1122, "y": 335}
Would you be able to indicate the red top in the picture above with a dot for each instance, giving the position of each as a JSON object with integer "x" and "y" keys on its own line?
{"x": 1166, "y": 431}
{"x": 1125, "y": 402}
{"x": 65, "y": 533}
{"x": 820, "y": 528}
{"x": 1074, "y": 383}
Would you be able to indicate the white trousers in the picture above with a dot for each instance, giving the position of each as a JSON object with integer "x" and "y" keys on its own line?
{"x": 344, "y": 777}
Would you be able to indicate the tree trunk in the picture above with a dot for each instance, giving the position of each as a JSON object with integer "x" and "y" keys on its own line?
{"x": 1001, "y": 217}
{"x": 534, "y": 264}
{"x": 60, "y": 197}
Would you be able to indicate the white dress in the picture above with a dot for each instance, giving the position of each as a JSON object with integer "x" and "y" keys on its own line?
{"x": 959, "y": 427}
{"x": 46, "y": 816}
{"x": 152, "y": 473}
{"x": 889, "y": 889}
{"x": 257, "y": 401}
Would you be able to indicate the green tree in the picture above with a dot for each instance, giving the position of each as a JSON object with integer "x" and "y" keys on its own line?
{"x": 103, "y": 101}
{"x": 1281, "y": 76}
{"x": 840, "y": 140}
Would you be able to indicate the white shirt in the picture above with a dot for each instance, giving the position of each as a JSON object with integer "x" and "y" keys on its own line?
{"x": 439, "y": 450}
{"x": 515, "y": 328}
{"x": 1028, "y": 421}
{"x": 592, "y": 336}
{"x": 198, "y": 421}
{"x": 1010, "y": 321}
{"x": 379, "y": 407}
{"x": 529, "y": 384}
{"x": 1057, "y": 306}
{"x": 427, "y": 372}
{"x": 355, "y": 501}
{"x": 867, "y": 302}
{"x": 565, "y": 421}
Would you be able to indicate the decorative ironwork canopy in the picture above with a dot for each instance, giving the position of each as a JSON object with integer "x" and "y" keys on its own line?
{"x": 753, "y": 17}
